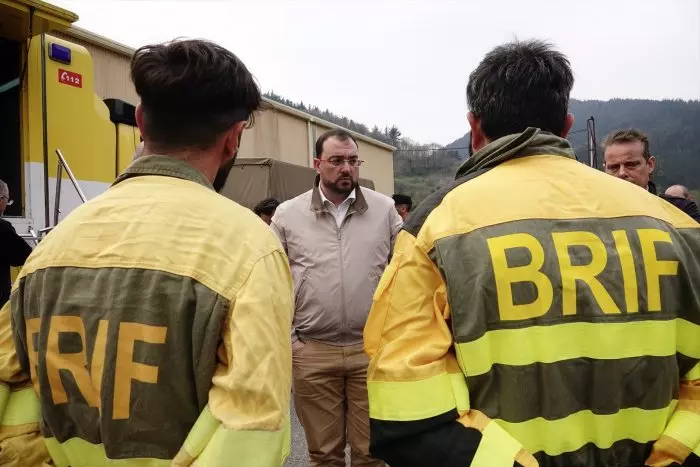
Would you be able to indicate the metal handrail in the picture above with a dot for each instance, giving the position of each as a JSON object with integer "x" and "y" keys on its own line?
{"x": 57, "y": 198}
{"x": 35, "y": 237}
{"x": 62, "y": 161}
{"x": 62, "y": 165}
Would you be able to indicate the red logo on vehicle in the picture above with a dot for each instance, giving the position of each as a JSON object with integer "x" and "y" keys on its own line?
{"x": 70, "y": 78}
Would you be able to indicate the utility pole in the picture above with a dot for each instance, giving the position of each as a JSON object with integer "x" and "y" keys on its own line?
{"x": 592, "y": 144}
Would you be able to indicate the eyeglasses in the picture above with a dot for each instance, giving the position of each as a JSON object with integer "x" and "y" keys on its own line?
{"x": 9, "y": 201}
{"x": 338, "y": 161}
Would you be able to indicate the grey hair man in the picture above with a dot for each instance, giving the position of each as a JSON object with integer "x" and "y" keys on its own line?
{"x": 5, "y": 200}
{"x": 680, "y": 197}
{"x": 679, "y": 191}
{"x": 14, "y": 251}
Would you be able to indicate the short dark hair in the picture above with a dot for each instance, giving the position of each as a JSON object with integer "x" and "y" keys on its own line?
{"x": 627, "y": 136}
{"x": 520, "y": 85}
{"x": 403, "y": 199}
{"x": 191, "y": 92}
{"x": 340, "y": 133}
{"x": 266, "y": 206}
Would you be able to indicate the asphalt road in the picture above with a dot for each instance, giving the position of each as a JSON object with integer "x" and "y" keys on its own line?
{"x": 299, "y": 456}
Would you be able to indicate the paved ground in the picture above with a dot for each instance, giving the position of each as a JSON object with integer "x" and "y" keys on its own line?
{"x": 299, "y": 456}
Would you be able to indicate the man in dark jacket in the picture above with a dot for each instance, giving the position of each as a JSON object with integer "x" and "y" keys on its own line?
{"x": 403, "y": 205}
{"x": 680, "y": 197}
{"x": 627, "y": 157}
{"x": 14, "y": 250}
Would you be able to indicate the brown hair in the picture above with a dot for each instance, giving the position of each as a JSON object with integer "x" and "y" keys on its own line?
{"x": 341, "y": 134}
{"x": 627, "y": 136}
{"x": 191, "y": 92}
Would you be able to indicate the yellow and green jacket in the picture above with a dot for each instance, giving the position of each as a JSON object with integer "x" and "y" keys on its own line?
{"x": 538, "y": 312}
{"x": 153, "y": 323}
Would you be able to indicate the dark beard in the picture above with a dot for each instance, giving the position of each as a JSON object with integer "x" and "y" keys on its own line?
{"x": 222, "y": 175}
{"x": 335, "y": 188}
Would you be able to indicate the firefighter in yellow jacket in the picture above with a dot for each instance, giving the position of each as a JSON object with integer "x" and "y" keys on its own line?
{"x": 154, "y": 321}
{"x": 536, "y": 311}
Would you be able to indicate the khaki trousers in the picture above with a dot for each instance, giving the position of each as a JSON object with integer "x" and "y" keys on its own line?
{"x": 330, "y": 395}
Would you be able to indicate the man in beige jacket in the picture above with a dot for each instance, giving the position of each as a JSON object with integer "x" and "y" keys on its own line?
{"x": 338, "y": 237}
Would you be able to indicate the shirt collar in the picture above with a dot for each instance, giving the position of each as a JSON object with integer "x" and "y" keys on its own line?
{"x": 351, "y": 197}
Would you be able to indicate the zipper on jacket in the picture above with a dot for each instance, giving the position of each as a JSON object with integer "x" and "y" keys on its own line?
{"x": 344, "y": 322}
{"x": 339, "y": 235}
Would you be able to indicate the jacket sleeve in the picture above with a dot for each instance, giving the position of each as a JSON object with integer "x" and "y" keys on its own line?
{"x": 21, "y": 443}
{"x": 15, "y": 250}
{"x": 418, "y": 396}
{"x": 396, "y": 224}
{"x": 278, "y": 229}
{"x": 247, "y": 417}
{"x": 680, "y": 442}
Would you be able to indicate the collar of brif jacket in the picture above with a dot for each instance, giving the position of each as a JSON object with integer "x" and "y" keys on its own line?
{"x": 165, "y": 166}
{"x": 530, "y": 142}
{"x": 359, "y": 206}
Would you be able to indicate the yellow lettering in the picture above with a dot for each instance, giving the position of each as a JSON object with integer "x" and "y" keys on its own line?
{"x": 584, "y": 272}
{"x": 653, "y": 267}
{"x": 98, "y": 357}
{"x": 75, "y": 363}
{"x": 33, "y": 326}
{"x": 127, "y": 369}
{"x": 507, "y": 276}
{"x": 629, "y": 274}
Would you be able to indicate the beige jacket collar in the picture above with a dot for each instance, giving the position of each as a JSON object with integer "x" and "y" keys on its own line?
{"x": 358, "y": 205}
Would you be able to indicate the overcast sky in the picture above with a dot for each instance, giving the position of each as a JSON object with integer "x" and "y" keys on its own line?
{"x": 406, "y": 63}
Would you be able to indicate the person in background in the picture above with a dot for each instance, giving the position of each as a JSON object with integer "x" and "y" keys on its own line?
{"x": 680, "y": 197}
{"x": 627, "y": 156}
{"x": 678, "y": 191}
{"x": 403, "y": 204}
{"x": 338, "y": 237}
{"x": 14, "y": 251}
{"x": 265, "y": 209}
{"x": 154, "y": 321}
{"x": 557, "y": 323}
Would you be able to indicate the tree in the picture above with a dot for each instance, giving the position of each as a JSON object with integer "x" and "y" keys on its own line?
{"x": 394, "y": 135}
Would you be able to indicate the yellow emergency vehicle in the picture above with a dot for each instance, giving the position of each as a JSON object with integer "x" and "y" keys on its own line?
{"x": 48, "y": 105}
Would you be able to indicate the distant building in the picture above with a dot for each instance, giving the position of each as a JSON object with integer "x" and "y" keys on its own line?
{"x": 280, "y": 133}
